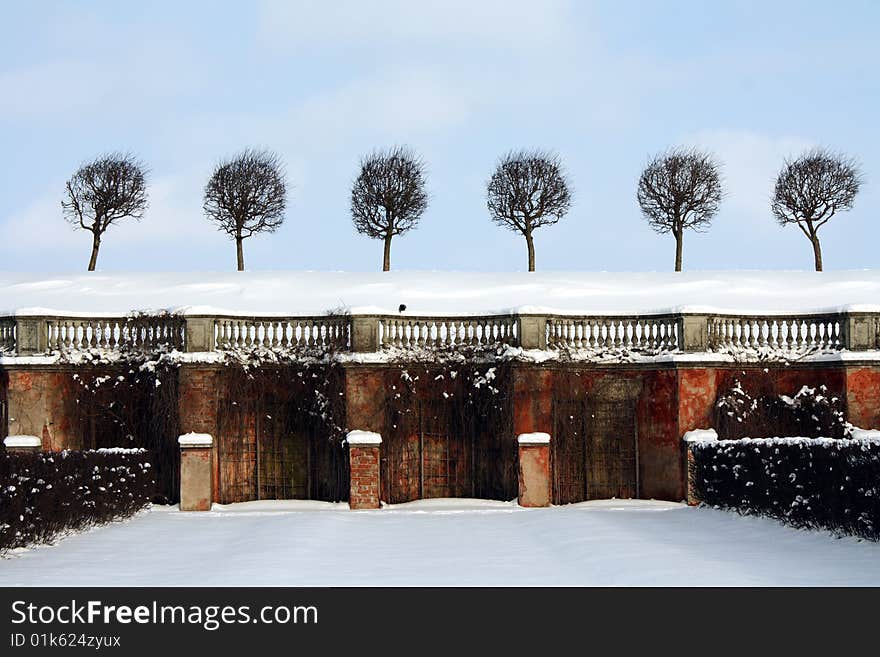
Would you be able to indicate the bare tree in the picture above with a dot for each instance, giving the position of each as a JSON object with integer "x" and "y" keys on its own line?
{"x": 680, "y": 190}
{"x": 813, "y": 188}
{"x": 247, "y": 195}
{"x": 528, "y": 190}
{"x": 388, "y": 197}
{"x": 104, "y": 191}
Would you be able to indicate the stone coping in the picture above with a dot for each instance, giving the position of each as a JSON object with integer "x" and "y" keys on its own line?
{"x": 535, "y": 438}
{"x": 23, "y": 441}
{"x": 357, "y": 438}
{"x": 196, "y": 440}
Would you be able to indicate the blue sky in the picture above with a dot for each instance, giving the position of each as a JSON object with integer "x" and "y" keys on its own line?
{"x": 604, "y": 84}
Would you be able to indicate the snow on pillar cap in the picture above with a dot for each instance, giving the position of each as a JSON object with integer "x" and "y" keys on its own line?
{"x": 363, "y": 438}
{"x": 871, "y": 435}
{"x": 22, "y": 441}
{"x": 196, "y": 440}
{"x": 700, "y": 436}
{"x": 536, "y": 438}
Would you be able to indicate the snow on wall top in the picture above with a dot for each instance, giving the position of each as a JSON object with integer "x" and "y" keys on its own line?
{"x": 438, "y": 293}
{"x": 22, "y": 441}
{"x": 363, "y": 438}
{"x": 536, "y": 438}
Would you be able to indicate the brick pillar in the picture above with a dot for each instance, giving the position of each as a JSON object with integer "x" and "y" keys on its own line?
{"x": 364, "y": 457}
{"x": 534, "y": 469}
{"x": 196, "y": 471}
{"x": 23, "y": 444}
{"x": 691, "y": 437}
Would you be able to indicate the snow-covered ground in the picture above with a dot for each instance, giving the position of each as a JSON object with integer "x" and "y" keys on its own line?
{"x": 447, "y": 542}
{"x": 438, "y": 293}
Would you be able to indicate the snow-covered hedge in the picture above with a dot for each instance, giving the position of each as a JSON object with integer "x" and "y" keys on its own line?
{"x": 46, "y": 494}
{"x": 811, "y": 411}
{"x": 805, "y": 482}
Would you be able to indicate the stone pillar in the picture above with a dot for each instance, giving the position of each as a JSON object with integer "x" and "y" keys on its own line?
{"x": 859, "y": 331}
{"x": 693, "y": 333}
{"x": 532, "y": 331}
{"x": 365, "y": 333}
{"x": 31, "y": 335}
{"x": 22, "y": 444}
{"x": 196, "y": 471}
{"x": 364, "y": 457}
{"x": 200, "y": 334}
{"x": 691, "y": 437}
{"x": 534, "y": 469}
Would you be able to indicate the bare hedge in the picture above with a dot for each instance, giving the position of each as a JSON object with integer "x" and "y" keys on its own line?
{"x": 47, "y": 494}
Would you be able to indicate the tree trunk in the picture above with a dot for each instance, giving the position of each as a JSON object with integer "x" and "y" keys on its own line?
{"x": 817, "y": 252}
{"x": 386, "y": 260}
{"x": 239, "y": 251}
{"x": 679, "y": 239}
{"x": 96, "y": 244}
{"x": 531, "y": 245}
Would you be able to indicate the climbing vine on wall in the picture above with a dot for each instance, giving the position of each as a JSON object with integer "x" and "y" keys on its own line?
{"x": 449, "y": 429}
{"x": 129, "y": 400}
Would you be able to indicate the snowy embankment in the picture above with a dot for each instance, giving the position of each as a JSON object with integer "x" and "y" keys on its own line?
{"x": 438, "y": 293}
{"x": 447, "y": 542}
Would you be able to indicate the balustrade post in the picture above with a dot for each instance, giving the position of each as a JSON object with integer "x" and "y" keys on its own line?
{"x": 199, "y": 334}
{"x": 693, "y": 333}
{"x": 31, "y": 335}
{"x": 532, "y": 331}
{"x": 365, "y": 333}
{"x": 859, "y": 331}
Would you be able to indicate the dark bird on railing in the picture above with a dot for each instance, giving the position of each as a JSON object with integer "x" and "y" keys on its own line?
{"x": 401, "y": 308}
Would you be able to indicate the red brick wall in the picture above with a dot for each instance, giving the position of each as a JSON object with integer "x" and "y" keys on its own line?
{"x": 197, "y": 406}
{"x": 863, "y": 396}
{"x": 669, "y": 402}
{"x": 365, "y": 390}
{"x": 38, "y": 406}
{"x": 364, "y": 477}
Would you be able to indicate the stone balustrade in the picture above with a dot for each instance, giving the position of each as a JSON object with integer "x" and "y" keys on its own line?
{"x": 670, "y": 332}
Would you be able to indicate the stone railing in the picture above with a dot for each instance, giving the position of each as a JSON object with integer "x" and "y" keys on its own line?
{"x": 446, "y": 332}
{"x": 140, "y": 333}
{"x": 7, "y": 334}
{"x": 670, "y": 332}
{"x": 281, "y": 333}
{"x": 648, "y": 333}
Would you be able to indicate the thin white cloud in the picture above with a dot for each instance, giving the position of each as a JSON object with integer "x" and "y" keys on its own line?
{"x": 751, "y": 162}
{"x": 519, "y": 24}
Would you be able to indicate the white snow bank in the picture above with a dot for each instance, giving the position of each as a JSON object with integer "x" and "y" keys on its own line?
{"x": 196, "y": 440}
{"x": 536, "y": 438}
{"x": 22, "y": 441}
{"x": 363, "y": 438}
{"x": 438, "y": 293}
{"x": 871, "y": 435}
{"x": 270, "y": 506}
{"x": 700, "y": 436}
{"x": 608, "y": 543}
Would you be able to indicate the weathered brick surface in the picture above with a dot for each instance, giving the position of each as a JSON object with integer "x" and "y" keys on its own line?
{"x": 197, "y": 406}
{"x": 863, "y": 396}
{"x": 534, "y": 475}
{"x": 364, "y": 477}
{"x": 196, "y": 474}
{"x": 38, "y": 406}
{"x": 669, "y": 401}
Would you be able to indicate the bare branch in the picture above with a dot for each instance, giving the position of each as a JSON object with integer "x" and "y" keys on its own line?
{"x": 528, "y": 189}
{"x": 679, "y": 190}
{"x": 811, "y": 189}
{"x": 247, "y": 195}
{"x": 388, "y": 196}
{"x": 814, "y": 187}
{"x": 104, "y": 191}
